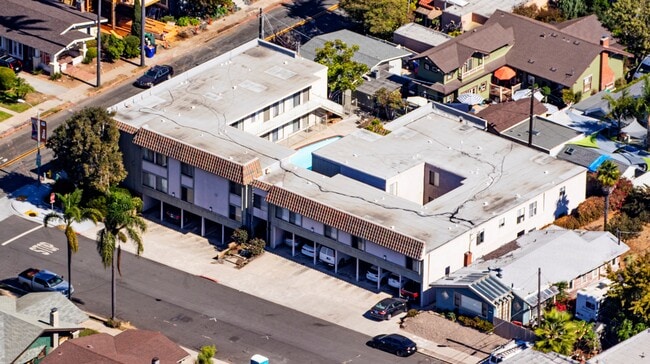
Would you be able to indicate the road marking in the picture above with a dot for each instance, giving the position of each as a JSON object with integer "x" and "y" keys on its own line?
{"x": 21, "y": 235}
{"x": 301, "y": 22}
{"x": 44, "y": 248}
{"x": 25, "y": 154}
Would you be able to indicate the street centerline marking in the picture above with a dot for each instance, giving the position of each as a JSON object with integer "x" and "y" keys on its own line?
{"x": 21, "y": 235}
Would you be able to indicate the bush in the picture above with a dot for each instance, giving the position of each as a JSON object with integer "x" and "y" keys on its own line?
{"x": 183, "y": 21}
{"x": 590, "y": 209}
{"x": 256, "y": 246}
{"x": 167, "y": 19}
{"x": 114, "y": 324}
{"x": 113, "y": 47}
{"x": 620, "y": 193}
{"x": 7, "y": 78}
{"x": 55, "y": 76}
{"x": 22, "y": 88}
{"x": 91, "y": 43}
{"x": 131, "y": 46}
{"x": 240, "y": 236}
{"x": 568, "y": 222}
{"x": 476, "y": 323}
{"x": 412, "y": 313}
{"x": 632, "y": 226}
{"x": 91, "y": 54}
{"x": 206, "y": 354}
{"x": 451, "y": 316}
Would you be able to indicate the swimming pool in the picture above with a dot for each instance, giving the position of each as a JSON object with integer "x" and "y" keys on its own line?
{"x": 302, "y": 158}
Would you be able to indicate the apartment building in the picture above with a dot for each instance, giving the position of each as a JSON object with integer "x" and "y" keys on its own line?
{"x": 419, "y": 202}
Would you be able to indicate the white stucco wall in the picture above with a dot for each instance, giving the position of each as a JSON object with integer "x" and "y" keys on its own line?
{"x": 211, "y": 191}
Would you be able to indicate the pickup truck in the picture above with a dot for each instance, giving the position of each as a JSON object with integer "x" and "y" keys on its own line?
{"x": 33, "y": 279}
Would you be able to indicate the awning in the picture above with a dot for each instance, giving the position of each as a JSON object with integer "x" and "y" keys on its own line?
{"x": 429, "y": 13}
{"x": 505, "y": 73}
{"x": 470, "y": 99}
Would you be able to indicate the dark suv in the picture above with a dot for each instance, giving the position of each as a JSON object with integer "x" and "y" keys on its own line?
{"x": 11, "y": 62}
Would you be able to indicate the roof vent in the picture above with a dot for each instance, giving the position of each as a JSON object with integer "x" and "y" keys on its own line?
{"x": 554, "y": 35}
{"x": 576, "y": 42}
{"x": 553, "y": 69}
{"x": 543, "y": 35}
{"x": 531, "y": 61}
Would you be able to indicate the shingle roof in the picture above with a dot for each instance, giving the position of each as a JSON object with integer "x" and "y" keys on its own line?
{"x": 43, "y": 24}
{"x": 346, "y": 222}
{"x": 483, "y": 283}
{"x": 505, "y": 115}
{"x": 452, "y": 54}
{"x": 128, "y": 347}
{"x": 243, "y": 174}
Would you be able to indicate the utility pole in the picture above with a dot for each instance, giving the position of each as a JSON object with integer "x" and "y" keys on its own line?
{"x": 261, "y": 26}
{"x": 143, "y": 19}
{"x": 99, "y": 43}
{"x": 539, "y": 296}
{"x": 530, "y": 122}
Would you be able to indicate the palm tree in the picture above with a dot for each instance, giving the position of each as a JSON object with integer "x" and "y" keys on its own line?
{"x": 621, "y": 108}
{"x": 642, "y": 110}
{"x": 72, "y": 213}
{"x": 556, "y": 333}
{"x": 608, "y": 176}
{"x": 122, "y": 222}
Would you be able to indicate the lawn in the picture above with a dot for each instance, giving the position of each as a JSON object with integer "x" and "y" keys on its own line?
{"x": 8, "y": 102}
{"x": 4, "y": 116}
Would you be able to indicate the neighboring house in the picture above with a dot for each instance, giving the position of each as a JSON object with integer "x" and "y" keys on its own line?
{"x": 212, "y": 144}
{"x": 33, "y": 325}
{"x": 632, "y": 350}
{"x": 465, "y": 15}
{"x": 530, "y": 355}
{"x": 130, "y": 346}
{"x": 364, "y": 95}
{"x": 418, "y": 38}
{"x": 511, "y": 52}
{"x": 46, "y": 34}
{"x": 558, "y": 254}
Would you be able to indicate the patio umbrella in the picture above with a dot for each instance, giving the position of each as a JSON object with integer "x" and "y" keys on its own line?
{"x": 505, "y": 73}
{"x": 522, "y": 94}
{"x": 470, "y": 99}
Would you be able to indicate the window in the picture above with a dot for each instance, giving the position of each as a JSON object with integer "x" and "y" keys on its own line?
{"x": 331, "y": 232}
{"x": 149, "y": 179}
{"x": 449, "y": 76}
{"x": 187, "y": 194}
{"x": 305, "y": 95}
{"x": 234, "y": 212}
{"x": 483, "y": 86}
{"x": 234, "y": 188}
{"x": 480, "y": 237}
{"x": 239, "y": 125}
{"x": 267, "y": 113}
{"x": 295, "y": 126}
{"x": 447, "y": 270}
{"x": 434, "y": 178}
{"x": 161, "y": 184}
{"x": 161, "y": 160}
{"x": 148, "y": 155}
{"x": 586, "y": 84}
{"x": 562, "y": 191}
{"x": 282, "y": 214}
{"x": 295, "y": 218}
{"x": 358, "y": 243}
{"x": 521, "y": 215}
{"x": 590, "y": 305}
{"x": 532, "y": 209}
{"x": 257, "y": 201}
{"x": 456, "y": 299}
{"x": 296, "y": 99}
{"x": 502, "y": 222}
{"x": 187, "y": 170}
{"x": 392, "y": 188}
{"x": 276, "y": 109}
{"x": 427, "y": 67}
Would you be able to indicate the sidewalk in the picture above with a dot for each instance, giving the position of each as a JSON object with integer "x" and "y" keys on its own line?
{"x": 61, "y": 97}
{"x": 334, "y": 300}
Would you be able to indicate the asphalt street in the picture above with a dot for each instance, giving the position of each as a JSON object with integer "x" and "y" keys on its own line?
{"x": 190, "y": 310}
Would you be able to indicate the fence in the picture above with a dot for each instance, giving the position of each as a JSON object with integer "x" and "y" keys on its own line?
{"x": 509, "y": 330}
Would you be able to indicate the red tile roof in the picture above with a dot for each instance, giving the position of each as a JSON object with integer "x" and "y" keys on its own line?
{"x": 243, "y": 174}
{"x": 354, "y": 225}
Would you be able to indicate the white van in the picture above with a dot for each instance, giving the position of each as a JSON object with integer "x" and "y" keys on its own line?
{"x": 328, "y": 255}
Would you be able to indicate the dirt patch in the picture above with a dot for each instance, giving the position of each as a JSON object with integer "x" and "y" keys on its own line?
{"x": 431, "y": 326}
{"x": 637, "y": 245}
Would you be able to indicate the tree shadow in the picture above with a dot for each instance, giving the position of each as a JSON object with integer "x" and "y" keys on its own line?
{"x": 304, "y": 8}
{"x": 561, "y": 207}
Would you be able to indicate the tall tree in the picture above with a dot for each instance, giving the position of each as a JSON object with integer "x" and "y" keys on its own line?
{"x": 136, "y": 21}
{"x": 621, "y": 108}
{"x": 378, "y": 17}
{"x": 629, "y": 21}
{"x": 556, "y": 333}
{"x": 608, "y": 175}
{"x": 642, "y": 110}
{"x": 86, "y": 148}
{"x": 122, "y": 222}
{"x": 72, "y": 212}
{"x": 389, "y": 101}
{"x": 342, "y": 72}
{"x": 572, "y": 8}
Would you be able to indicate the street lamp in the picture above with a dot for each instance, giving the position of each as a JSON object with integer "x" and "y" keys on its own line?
{"x": 38, "y": 139}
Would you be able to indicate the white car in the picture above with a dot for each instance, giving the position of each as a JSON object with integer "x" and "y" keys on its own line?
{"x": 373, "y": 274}
{"x": 308, "y": 250}
{"x": 394, "y": 281}
{"x": 291, "y": 242}
{"x": 643, "y": 69}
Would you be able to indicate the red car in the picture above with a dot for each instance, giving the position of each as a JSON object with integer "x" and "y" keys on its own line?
{"x": 410, "y": 290}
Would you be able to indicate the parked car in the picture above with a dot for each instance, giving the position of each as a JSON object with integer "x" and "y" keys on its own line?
{"x": 394, "y": 343}
{"x": 373, "y": 274}
{"x": 388, "y": 307}
{"x": 394, "y": 281}
{"x": 11, "y": 62}
{"x": 155, "y": 75}
{"x": 174, "y": 215}
{"x": 291, "y": 242}
{"x": 328, "y": 255}
{"x": 643, "y": 69}
{"x": 308, "y": 250}
{"x": 410, "y": 290}
{"x": 41, "y": 280}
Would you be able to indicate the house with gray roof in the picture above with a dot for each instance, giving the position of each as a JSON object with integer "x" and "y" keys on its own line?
{"x": 632, "y": 350}
{"x": 32, "y": 325}
{"x": 418, "y": 38}
{"x": 558, "y": 254}
{"x": 46, "y": 34}
{"x": 511, "y": 52}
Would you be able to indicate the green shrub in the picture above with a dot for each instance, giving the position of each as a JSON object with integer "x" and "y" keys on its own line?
{"x": 87, "y": 332}
{"x": 22, "y": 88}
{"x": 256, "y": 246}
{"x": 568, "y": 222}
{"x": 91, "y": 54}
{"x": 412, "y": 313}
{"x": 476, "y": 323}
{"x": 55, "y": 76}
{"x": 183, "y": 21}
{"x": 131, "y": 46}
{"x": 91, "y": 43}
{"x": 113, "y": 47}
{"x": 114, "y": 324}
{"x": 632, "y": 226}
{"x": 7, "y": 78}
{"x": 167, "y": 19}
{"x": 451, "y": 316}
{"x": 206, "y": 354}
{"x": 195, "y": 21}
{"x": 240, "y": 236}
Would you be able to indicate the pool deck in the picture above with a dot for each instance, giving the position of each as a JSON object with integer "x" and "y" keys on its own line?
{"x": 322, "y": 131}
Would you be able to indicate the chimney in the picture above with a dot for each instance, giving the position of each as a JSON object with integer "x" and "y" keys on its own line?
{"x": 155, "y": 360}
{"x": 604, "y": 41}
{"x": 467, "y": 259}
{"x": 54, "y": 317}
{"x": 54, "y": 322}
{"x": 606, "y": 74}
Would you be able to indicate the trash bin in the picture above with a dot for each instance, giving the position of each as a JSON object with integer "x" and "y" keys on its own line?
{"x": 149, "y": 52}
